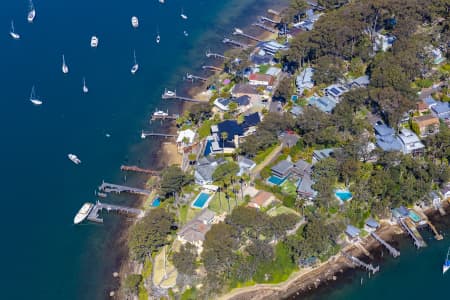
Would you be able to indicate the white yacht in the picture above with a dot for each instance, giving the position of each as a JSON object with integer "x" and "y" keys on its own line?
{"x": 134, "y": 22}
{"x": 83, "y": 213}
{"x": 35, "y": 100}
{"x": 94, "y": 41}
{"x": 13, "y": 33}
{"x": 64, "y": 68}
{"x": 74, "y": 158}
{"x": 170, "y": 93}
{"x": 158, "y": 38}
{"x": 85, "y": 88}
{"x": 160, "y": 114}
{"x": 135, "y": 67}
{"x": 183, "y": 16}
{"x": 161, "y": 1}
{"x": 31, "y": 13}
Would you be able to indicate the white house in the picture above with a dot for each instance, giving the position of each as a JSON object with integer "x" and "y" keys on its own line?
{"x": 410, "y": 142}
{"x": 185, "y": 139}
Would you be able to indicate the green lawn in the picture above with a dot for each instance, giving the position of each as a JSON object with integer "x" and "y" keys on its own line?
{"x": 289, "y": 188}
{"x": 281, "y": 210}
{"x": 214, "y": 205}
{"x": 263, "y": 69}
{"x": 279, "y": 269}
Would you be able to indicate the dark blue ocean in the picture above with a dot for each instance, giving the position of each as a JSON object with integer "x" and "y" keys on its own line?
{"x": 44, "y": 256}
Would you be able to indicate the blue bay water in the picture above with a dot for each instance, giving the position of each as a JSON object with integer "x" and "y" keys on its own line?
{"x": 44, "y": 255}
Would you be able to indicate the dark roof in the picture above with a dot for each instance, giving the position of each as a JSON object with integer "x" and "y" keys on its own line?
{"x": 282, "y": 167}
{"x": 403, "y": 211}
{"x": 372, "y": 223}
{"x": 251, "y": 120}
{"x": 231, "y": 127}
{"x": 244, "y": 89}
{"x": 223, "y": 101}
{"x": 352, "y": 231}
{"x": 242, "y": 101}
{"x": 383, "y": 129}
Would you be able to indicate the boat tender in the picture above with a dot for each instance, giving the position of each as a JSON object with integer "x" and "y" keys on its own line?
{"x": 74, "y": 158}
{"x": 94, "y": 41}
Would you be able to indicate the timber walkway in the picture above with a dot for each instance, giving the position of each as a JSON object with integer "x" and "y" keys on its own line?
{"x": 115, "y": 188}
{"x": 394, "y": 252}
{"x": 94, "y": 215}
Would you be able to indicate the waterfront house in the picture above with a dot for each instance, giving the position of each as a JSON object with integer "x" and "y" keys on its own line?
{"x": 282, "y": 169}
{"x": 304, "y": 80}
{"x": 185, "y": 139}
{"x": 318, "y": 155}
{"x": 325, "y": 103}
{"x": 353, "y": 233}
{"x": 194, "y": 231}
{"x": 445, "y": 191}
{"x": 205, "y": 168}
{"x": 410, "y": 142}
{"x": 243, "y": 103}
{"x": 260, "y": 57}
{"x": 261, "y": 80}
{"x": 240, "y": 90}
{"x": 272, "y": 47}
{"x": 427, "y": 124}
{"x": 371, "y": 225}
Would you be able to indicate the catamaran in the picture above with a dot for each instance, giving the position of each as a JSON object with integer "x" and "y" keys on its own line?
{"x": 183, "y": 16}
{"x": 85, "y": 88}
{"x": 134, "y": 22}
{"x": 94, "y": 41}
{"x": 31, "y": 13}
{"x": 35, "y": 100}
{"x": 65, "y": 68}
{"x": 13, "y": 33}
{"x": 446, "y": 264}
{"x": 135, "y": 67}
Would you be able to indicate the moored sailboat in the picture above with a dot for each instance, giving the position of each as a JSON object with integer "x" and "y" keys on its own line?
{"x": 13, "y": 33}
{"x": 446, "y": 264}
{"x": 85, "y": 88}
{"x": 64, "y": 67}
{"x": 31, "y": 13}
{"x": 135, "y": 67}
{"x": 33, "y": 98}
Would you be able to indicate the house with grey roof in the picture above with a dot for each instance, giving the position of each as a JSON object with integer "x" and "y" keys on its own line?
{"x": 282, "y": 169}
{"x": 304, "y": 80}
{"x": 445, "y": 191}
{"x": 411, "y": 143}
{"x": 318, "y": 155}
{"x": 352, "y": 232}
{"x": 335, "y": 91}
{"x": 302, "y": 168}
{"x": 289, "y": 140}
{"x": 325, "y": 103}
{"x": 386, "y": 138}
{"x": 205, "y": 169}
{"x": 360, "y": 82}
{"x": 296, "y": 110}
{"x": 371, "y": 225}
{"x": 304, "y": 188}
{"x": 194, "y": 231}
{"x": 245, "y": 165}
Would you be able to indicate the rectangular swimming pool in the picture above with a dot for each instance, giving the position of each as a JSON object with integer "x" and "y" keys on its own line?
{"x": 414, "y": 216}
{"x": 275, "y": 180}
{"x": 202, "y": 200}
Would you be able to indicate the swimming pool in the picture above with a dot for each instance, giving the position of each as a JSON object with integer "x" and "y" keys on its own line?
{"x": 275, "y": 180}
{"x": 415, "y": 217}
{"x": 343, "y": 195}
{"x": 202, "y": 200}
{"x": 156, "y": 202}
{"x": 208, "y": 148}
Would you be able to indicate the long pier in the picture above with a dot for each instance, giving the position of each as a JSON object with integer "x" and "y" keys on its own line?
{"x": 145, "y": 134}
{"x": 356, "y": 261}
{"x": 164, "y": 117}
{"x": 194, "y": 77}
{"x": 266, "y": 28}
{"x": 215, "y": 55}
{"x": 238, "y": 31}
{"x": 137, "y": 169}
{"x": 234, "y": 43}
{"x": 412, "y": 231}
{"x": 437, "y": 235}
{"x": 115, "y": 188}
{"x": 394, "y": 252}
{"x": 173, "y": 95}
{"x": 94, "y": 215}
{"x": 262, "y": 18}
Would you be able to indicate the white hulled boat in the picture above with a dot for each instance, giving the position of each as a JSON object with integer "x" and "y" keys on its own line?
{"x": 94, "y": 41}
{"x": 446, "y": 264}
{"x": 83, "y": 213}
{"x": 185, "y": 33}
{"x": 13, "y": 33}
{"x": 134, "y": 22}
{"x": 85, "y": 88}
{"x": 158, "y": 38}
{"x": 183, "y": 16}
{"x": 31, "y": 13}
{"x": 135, "y": 67}
{"x": 64, "y": 67}
{"x": 74, "y": 158}
{"x": 33, "y": 98}
{"x": 160, "y": 114}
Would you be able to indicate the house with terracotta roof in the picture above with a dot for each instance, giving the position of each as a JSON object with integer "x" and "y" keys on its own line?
{"x": 427, "y": 124}
{"x": 262, "y": 199}
{"x": 240, "y": 90}
{"x": 261, "y": 79}
{"x": 422, "y": 107}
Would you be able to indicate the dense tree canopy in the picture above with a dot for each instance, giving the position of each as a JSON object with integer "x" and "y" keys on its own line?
{"x": 172, "y": 180}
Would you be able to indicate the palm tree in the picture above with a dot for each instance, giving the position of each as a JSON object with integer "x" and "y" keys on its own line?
{"x": 224, "y": 136}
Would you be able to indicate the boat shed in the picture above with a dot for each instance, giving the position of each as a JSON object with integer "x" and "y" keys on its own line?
{"x": 352, "y": 232}
{"x": 371, "y": 225}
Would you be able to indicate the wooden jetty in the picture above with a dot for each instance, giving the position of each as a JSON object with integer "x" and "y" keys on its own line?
{"x": 238, "y": 31}
{"x": 212, "y": 68}
{"x": 266, "y": 19}
{"x": 192, "y": 77}
{"x": 210, "y": 54}
{"x": 137, "y": 169}
{"x": 394, "y": 252}
{"x": 173, "y": 95}
{"x": 409, "y": 227}
{"x": 94, "y": 215}
{"x": 437, "y": 235}
{"x": 356, "y": 261}
{"x": 115, "y": 188}
{"x": 164, "y": 117}
{"x": 266, "y": 28}
{"x": 234, "y": 43}
{"x": 145, "y": 134}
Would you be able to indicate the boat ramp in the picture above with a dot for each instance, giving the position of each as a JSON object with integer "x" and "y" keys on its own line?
{"x": 115, "y": 188}
{"x": 94, "y": 214}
